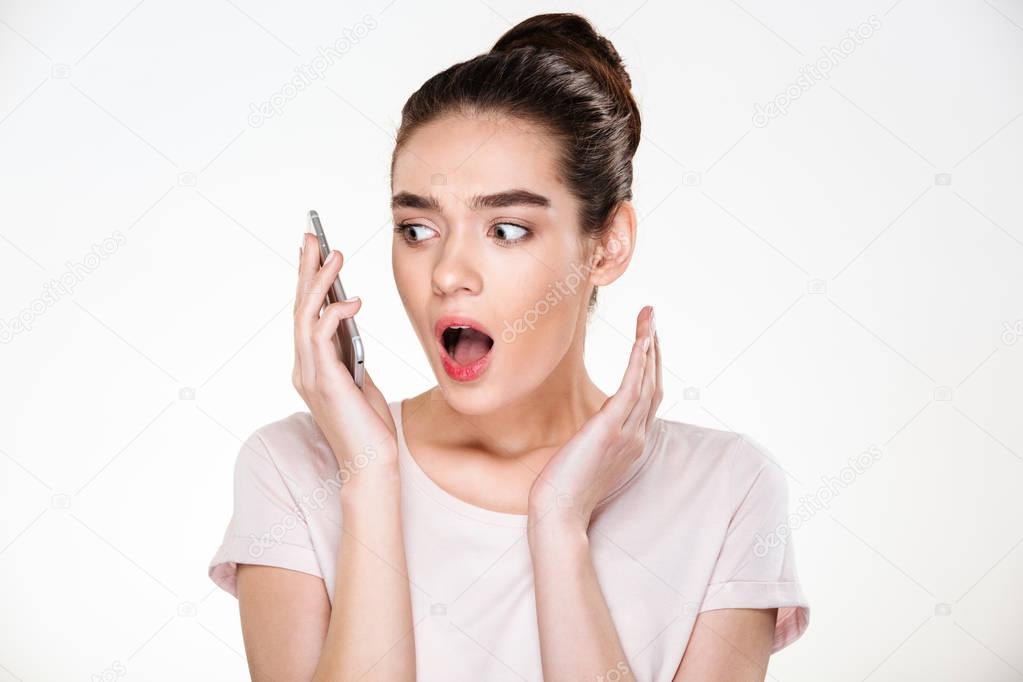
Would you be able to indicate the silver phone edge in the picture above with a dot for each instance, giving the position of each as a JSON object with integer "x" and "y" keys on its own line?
{"x": 338, "y": 291}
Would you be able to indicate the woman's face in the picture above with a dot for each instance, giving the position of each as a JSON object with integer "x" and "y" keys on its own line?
{"x": 513, "y": 263}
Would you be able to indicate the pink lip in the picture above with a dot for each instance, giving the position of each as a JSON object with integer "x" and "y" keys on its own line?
{"x": 454, "y": 370}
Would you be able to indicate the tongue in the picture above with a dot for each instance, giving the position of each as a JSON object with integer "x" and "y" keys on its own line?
{"x": 471, "y": 346}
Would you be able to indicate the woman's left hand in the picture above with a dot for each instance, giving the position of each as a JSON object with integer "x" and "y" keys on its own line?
{"x": 579, "y": 474}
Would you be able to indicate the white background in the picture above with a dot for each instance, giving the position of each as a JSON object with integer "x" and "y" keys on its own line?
{"x": 848, "y": 276}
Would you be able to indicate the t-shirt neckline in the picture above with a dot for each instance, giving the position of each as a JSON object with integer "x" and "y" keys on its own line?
{"x": 462, "y": 507}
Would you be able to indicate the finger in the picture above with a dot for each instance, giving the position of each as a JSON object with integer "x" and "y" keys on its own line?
{"x": 308, "y": 262}
{"x": 636, "y": 421}
{"x": 640, "y": 412}
{"x": 303, "y": 358}
{"x": 620, "y": 404}
{"x": 659, "y": 388}
{"x": 312, "y": 293}
{"x": 328, "y": 367}
{"x": 379, "y": 403}
{"x": 369, "y": 387}
{"x": 314, "y": 286}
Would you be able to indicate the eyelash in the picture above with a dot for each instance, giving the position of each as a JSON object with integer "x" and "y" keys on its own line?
{"x": 401, "y": 229}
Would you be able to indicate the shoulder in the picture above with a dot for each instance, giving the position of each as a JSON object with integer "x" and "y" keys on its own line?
{"x": 703, "y": 447}
{"x": 294, "y": 446}
{"x": 731, "y": 462}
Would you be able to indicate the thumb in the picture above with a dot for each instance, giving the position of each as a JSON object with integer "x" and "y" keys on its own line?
{"x": 377, "y": 400}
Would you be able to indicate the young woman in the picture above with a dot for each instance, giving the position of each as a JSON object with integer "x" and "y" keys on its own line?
{"x": 513, "y": 522}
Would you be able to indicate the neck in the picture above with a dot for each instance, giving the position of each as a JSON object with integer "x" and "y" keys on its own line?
{"x": 544, "y": 418}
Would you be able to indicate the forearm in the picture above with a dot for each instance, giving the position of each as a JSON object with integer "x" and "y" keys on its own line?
{"x": 578, "y": 639}
{"x": 370, "y": 635}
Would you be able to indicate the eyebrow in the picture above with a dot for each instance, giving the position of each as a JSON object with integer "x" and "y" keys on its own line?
{"x": 514, "y": 197}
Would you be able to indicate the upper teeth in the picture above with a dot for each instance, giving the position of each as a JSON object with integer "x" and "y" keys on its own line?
{"x": 454, "y": 326}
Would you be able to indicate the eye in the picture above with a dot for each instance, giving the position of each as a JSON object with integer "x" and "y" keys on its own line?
{"x": 510, "y": 233}
{"x": 403, "y": 231}
{"x": 506, "y": 233}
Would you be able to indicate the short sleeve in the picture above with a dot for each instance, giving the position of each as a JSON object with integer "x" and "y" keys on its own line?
{"x": 756, "y": 566}
{"x": 267, "y": 527}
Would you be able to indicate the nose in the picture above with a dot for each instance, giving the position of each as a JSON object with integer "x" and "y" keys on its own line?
{"x": 457, "y": 268}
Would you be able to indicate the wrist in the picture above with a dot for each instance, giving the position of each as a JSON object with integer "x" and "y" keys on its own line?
{"x": 557, "y": 530}
{"x": 374, "y": 484}
{"x": 559, "y": 513}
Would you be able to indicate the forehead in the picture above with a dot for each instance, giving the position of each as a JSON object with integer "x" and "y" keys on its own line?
{"x": 464, "y": 155}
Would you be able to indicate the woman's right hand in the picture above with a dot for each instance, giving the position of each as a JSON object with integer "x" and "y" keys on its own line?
{"x": 357, "y": 423}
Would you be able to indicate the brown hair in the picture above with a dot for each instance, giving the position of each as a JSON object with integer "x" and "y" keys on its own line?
{"x": 557, "y": 72}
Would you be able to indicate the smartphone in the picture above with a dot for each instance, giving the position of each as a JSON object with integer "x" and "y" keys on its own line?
{"x": 349, "y": 343}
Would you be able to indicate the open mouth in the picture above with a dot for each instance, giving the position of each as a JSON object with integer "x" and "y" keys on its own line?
{"x": 465, "y": 347}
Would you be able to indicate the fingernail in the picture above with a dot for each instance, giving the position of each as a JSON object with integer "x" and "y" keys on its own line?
{"x": 353, "y": 298}
{"x": 646, "y": 344}
{"x": 330, "y": 258}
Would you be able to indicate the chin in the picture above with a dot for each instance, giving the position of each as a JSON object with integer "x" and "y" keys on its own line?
{"x": 470, "y": 398}
{"x": 492, "y": 392}
{"x": 483, "y": 396}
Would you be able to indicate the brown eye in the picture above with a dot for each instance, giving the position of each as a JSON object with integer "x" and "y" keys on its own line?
{"x": 510, "y": 233}
{"x": 404, "y": 228}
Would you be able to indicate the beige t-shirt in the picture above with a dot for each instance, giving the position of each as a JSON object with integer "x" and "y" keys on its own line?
{"x": 698, "y": 522}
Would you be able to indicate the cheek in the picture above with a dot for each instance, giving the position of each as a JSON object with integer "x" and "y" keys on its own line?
{"x": 413, "y": 292}
{"x": 539, "y": 311}
{"x": 407, "y": 278}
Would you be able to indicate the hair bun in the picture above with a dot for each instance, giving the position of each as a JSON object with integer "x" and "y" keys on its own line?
{"x": 572, "y": 36}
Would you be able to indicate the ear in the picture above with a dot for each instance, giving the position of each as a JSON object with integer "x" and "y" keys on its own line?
{"x": 613, "y": 252}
